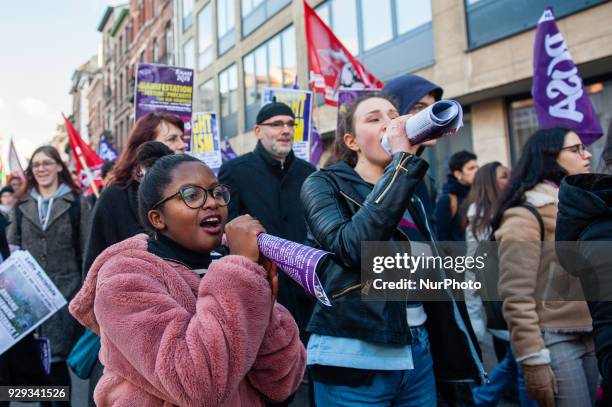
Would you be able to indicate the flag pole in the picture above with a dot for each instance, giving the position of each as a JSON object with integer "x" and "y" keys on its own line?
{"x": 89, "y": 175}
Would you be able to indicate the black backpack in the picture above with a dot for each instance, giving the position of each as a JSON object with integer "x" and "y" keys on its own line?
{"x": 490, "y": 277}
{"x": 74, "y": 212}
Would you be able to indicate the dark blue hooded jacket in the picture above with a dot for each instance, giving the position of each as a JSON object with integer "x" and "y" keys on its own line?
{"x": 408, "y": 90}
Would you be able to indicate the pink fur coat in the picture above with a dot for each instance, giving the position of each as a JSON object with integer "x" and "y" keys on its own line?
{"x": 170, "y": 337}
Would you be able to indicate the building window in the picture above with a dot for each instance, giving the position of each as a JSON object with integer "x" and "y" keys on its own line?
{"x": 489, "y": 21}
{"x": 411, "y": 15}
{"x": 344, "y": 23}
{"x": 155, "y": 51}
{"x": 323, "y": 12}
{"x": 376, "y": 22}
{"x": 187, "y": 14}
{"x": 205, "y": 37}
{"x": 228, "y": 90}
{"x": 169, "y": 44}
{"x": 141, "y": 15}
{"x": 228, "y": 93}
{"x": 206, "y": 96}
{"x": 128, "y": 89}
{"x": 189, "y": 54}
{"x": 289, "y": 57}
{"x": 272, "y": 64}
{"x": 257, "y": 12}
{"x": 120, "y": 96}
{"x": 249, "y": 5}
{"x": 153, "y": 8}
{"x": 225, "y": 24}
{"x": 382, "y": 31}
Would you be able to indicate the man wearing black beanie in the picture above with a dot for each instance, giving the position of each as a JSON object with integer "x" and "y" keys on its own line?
{"x": 266, "y": 184}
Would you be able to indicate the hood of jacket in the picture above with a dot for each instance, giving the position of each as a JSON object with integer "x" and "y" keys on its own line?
{"x": 583, "y": 199}
{"x": 409, "y": 89}
{"x": 453, "y": 186}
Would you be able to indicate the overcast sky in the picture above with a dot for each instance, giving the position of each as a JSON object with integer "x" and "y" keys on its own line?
{"x": 42, "y": 43}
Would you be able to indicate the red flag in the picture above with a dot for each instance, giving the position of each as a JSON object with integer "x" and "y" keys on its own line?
{"x": 88, "y": 164}
{"x": 331, "y": 65}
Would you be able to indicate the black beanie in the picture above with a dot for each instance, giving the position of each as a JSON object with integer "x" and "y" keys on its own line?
{"x": 273, "y": 109}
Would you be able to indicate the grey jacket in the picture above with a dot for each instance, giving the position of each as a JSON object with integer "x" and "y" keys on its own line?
{"x": 53, "y": 250}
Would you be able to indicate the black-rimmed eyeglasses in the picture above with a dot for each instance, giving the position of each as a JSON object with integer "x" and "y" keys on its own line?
{"x": 195, "y": 197}
{"x": 579, "y": 149}
{"x": 280, "y": 124}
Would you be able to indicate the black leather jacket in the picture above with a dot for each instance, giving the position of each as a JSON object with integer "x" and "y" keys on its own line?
{"x": 338, "y": 220}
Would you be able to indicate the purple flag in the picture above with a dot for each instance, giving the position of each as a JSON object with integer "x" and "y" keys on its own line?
{"x": 560, "y": 97}
{"x": 297, "y": 261}
{"x": 227, "y": 152}
{"x": 316, "y": 145}
{"x": 106, "y": 151}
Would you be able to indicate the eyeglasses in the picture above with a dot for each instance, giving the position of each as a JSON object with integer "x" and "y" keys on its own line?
{"x": 195, "y": 197}
{"x": 43, "y": 164}
{"x": 576, "y": 148}
{"x": 280, "y": 124}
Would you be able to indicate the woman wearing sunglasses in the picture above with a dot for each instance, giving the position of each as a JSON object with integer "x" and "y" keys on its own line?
{"x": 176, "y": 328}
{"x": 550, "y": 334}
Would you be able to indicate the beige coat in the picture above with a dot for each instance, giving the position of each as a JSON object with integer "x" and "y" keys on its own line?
{"x": 525, "y": 270}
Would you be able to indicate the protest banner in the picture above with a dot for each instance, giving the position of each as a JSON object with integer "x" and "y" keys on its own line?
{"x": 300, "y": 101}
{"x": 28, "y": 298}
{"x": 560, "y": 97}
{"x": 205, "y": 140}
{"x": 87, "y": 163}
{"x": 298, "y": 261}
{"x": 165, "y": 88}
{"x": 332, "y": 66}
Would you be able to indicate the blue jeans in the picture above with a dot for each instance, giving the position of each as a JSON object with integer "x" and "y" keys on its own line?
{"x": 505, "y": 376}
{"x": 405, "y": 388}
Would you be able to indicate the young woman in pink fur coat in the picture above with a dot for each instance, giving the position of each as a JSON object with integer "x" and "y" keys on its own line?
{"x": 177, "y": 329}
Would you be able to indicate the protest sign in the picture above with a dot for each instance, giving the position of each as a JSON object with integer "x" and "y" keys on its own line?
{"x": 165, "y": 88}
{"x": 300, "y": 101}
{"x": 298, "y": 261}
{"x": 205, "y": 140}
{"x": 28, "y": 298}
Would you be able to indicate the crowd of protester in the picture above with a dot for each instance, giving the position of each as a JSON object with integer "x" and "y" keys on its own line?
{"x": 165, "y": 279}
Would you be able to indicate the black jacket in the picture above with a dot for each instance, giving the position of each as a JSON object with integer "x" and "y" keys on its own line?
{"x": 115, "y": 218}
{"x": 339, "y": 219}
{"x": 585, "y": 219}
{"x": 262, "y": 187}
{"x": 450, "y": 228}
